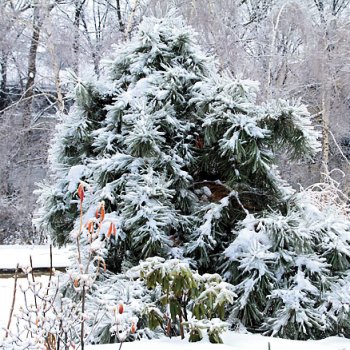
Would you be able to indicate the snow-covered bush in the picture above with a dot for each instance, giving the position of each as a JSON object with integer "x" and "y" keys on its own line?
{"x": 110, "y": 291}
{"x": 186, "y": 298}
{"x": 213, "y": 327}
{"x": 288, "y": 269}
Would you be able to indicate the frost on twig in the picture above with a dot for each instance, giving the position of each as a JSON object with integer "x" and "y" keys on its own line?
{"x": 328, "y": 194}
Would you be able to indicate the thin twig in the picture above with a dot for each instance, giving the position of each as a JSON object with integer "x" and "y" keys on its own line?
{"x": 339, "y": 148}
{"x": 13, "y": 302}
{"x": 50, "y": 278}
{"x": 78, "y": 236}
{"x": 23, "y": 98}
{"x": 33, "y": 279}
{"x": 82, "y": 319}
{"x": 95, "y": 322}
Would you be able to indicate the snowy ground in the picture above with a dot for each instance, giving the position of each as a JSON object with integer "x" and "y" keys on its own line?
{"x": 6, "y": 293}
{"x": 234, "y": 341}
{"x": 10, "y": 255}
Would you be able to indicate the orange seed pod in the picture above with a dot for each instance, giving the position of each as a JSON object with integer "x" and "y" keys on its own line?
{"x": 102, "y": 212}
{"x": 81, "y": 191}
{"x": 90, "y": 226}
{"x": 110, "y": 230}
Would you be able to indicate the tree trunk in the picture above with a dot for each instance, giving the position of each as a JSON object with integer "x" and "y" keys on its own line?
{"x": 93, "y": 48}
{"x": 4, "y": 58}
{"x": 128, "y": 28}
{"x": 31, "y": 73}
{"x": 3, "y": 74}
{"x": 272, "y": 50}
{"x": 119, "y": 14}
{"x": 56, "y": 69}
{"x": 326, "y": 84}
{"x": 325, "y": 125}
{"x": 76, "y": 23}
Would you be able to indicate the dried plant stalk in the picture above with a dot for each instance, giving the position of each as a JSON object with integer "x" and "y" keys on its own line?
{"x": 13, "y": 302}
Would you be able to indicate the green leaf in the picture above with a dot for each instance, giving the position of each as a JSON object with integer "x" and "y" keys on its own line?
{"x": 195, "y": 335}
{"x": 154, "y": 320}
{"x": 174, "y": 308}
{"x": 214, "y": 338}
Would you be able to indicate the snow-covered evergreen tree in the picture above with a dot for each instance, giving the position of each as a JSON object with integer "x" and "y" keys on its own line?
{"x": 161, "y": 127}
{"x": 132, "y": 137}
{"x": 288, "y": 267}
{"x": 183, "y": 158}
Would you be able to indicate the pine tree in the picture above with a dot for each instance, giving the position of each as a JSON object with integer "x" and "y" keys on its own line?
{"x": 132, "y": 137}
{"x": 288, "y": 268}
{"x": 183, "y": 158}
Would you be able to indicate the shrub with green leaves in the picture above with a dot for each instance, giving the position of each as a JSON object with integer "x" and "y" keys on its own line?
{"x": 186, "y": 298}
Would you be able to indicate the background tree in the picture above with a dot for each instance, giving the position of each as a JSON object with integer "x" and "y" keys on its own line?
{"x": 31, "y": 72}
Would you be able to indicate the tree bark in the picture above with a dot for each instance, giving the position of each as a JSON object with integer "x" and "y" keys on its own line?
{"x": 119, "y": 15}
{"x": 76, "y": 23}
{"x": 130, "y": 19}
{"x": 4, "y": 58}
{"x": 272, "y": 49}
{"x": 3, "y": 74}
{"x": 325, "y": 125}
{"x": 31, "y": 72}
{"x": 56, "y": 69}
{"x": 326, "y": 85}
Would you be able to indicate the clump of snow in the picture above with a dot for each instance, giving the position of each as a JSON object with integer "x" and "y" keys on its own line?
{"x": 74, "y": 176}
